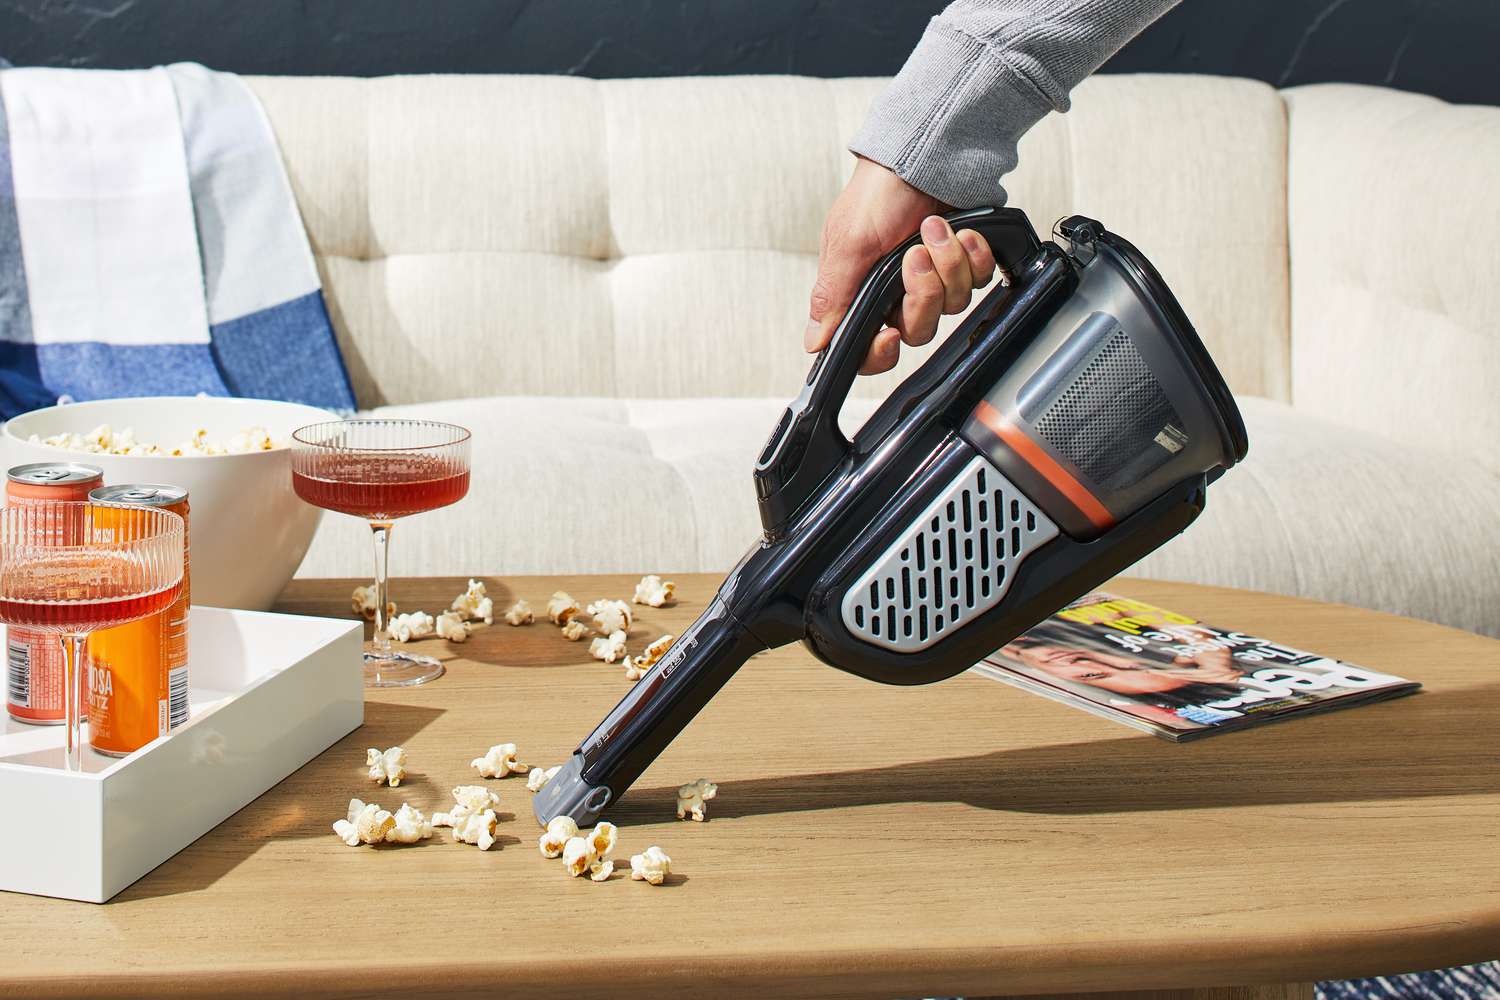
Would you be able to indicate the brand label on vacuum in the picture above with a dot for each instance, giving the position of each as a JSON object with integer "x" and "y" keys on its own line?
{"x": 1171, "y": 438}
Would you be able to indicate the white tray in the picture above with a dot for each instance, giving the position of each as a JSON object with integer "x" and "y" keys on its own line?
{"x": 268, "y": 693}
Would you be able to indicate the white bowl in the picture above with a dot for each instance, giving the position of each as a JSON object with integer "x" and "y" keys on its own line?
{"x": 247, "y": 529}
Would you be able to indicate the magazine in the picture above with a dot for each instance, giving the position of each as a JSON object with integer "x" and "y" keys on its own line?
{"x": 1174, "y": 676}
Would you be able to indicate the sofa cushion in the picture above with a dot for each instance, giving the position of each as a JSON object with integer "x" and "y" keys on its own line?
{"x": 661, "y": 235}
{"x": 569, "y": 485}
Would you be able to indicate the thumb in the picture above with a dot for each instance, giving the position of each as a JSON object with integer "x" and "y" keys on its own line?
{"x": 842, "y": 263}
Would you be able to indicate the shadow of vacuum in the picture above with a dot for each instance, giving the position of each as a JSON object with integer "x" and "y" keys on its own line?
{"x": 1427, "y": 744}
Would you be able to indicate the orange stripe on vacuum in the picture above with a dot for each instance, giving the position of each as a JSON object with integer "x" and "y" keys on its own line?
{"x": 1032, "y": 454}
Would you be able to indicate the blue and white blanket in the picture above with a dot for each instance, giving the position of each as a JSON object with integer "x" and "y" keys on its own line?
{"x": 150, "y": 244}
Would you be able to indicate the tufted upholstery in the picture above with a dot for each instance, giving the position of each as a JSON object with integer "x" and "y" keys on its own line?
{"x": 607, "y": 281}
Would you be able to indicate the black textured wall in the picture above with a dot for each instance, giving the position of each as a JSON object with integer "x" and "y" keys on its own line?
{"x": 1442, "y": 47}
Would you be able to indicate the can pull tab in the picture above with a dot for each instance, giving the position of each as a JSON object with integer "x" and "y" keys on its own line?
{"x": 807, "y": 445}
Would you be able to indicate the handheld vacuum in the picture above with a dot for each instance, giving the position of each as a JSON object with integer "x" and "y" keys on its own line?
{"x": 1069, "y": 426}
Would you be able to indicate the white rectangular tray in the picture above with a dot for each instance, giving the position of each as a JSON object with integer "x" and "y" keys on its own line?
{"x": 267, "y": 693}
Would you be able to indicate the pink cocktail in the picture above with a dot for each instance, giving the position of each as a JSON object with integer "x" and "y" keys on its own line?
{"x": 72, "y": 567}
{"x": 381, "y": 470}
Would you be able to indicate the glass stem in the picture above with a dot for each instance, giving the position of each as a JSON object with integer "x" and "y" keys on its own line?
{"x": 382, "y": 532}
{"x": 72, "y": 701}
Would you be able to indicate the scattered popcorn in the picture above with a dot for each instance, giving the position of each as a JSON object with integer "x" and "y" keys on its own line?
{"x": 405, "y": 628}
{"x": 103, "y": 440}
{"x": 635, "y": 668}
{"x": 410, "y": 826}
{"x": 451, "y": 626}
{"x": 519, "y": 613}
{"x": 475, "y": 603}
{"x": 556, "y": 837}
{"x": 388, "y": 767}
{"x": 652, "y": 866}
{"x": 692, "y": 799}
{"x": 499, "y": 762}
{"x": 579, "y": 856}
{"x": 362, "y": 602}
{"x": 608, "y": 649}
{"x": 575, "y": 630}
{"x": 603, "y": 839}
{"x": 468, "y": 800}
{"x": 365, "y": 823}
{"x": 539, "y": 777}
{"x": 561, "y": 608}
{"x": 633, "y": 672}
{"x": 477, "y": 829}
{"x": 610, "y": 616}
{"x": 654, "y": 591}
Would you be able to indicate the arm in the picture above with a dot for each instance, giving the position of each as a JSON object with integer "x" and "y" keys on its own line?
{"x": 983, "y": 74}
{"x": 941, "y": 137}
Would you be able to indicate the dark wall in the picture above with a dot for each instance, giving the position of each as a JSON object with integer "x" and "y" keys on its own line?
{"x": 1442, "y": 47}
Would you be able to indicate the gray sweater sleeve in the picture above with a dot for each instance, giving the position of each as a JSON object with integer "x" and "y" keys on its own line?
{"x": 984, "y": 72}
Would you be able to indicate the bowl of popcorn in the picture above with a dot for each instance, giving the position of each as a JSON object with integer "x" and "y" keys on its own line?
{"x": 247, "y": 530}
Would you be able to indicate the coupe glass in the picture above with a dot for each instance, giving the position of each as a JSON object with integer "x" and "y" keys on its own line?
{"x": 381, "y": 470}
{"x": 71, "y": 567}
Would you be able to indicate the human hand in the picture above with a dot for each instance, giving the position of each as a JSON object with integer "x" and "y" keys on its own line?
{"x": 874, "y": 213}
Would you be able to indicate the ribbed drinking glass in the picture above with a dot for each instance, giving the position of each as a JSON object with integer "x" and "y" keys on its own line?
{"x": 72, "y": 567}
{"x": 381, "y": 470}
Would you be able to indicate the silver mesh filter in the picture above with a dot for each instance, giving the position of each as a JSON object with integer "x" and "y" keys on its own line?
{"x": 954, "y": 563}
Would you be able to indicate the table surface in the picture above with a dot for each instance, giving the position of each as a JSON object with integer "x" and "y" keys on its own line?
{"x": 963, "y": 837}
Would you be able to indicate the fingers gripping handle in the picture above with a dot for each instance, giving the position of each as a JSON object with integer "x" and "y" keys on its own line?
{"x": 807, "y": 445}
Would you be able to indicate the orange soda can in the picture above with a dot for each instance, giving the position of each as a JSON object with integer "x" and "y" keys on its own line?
{"x": 34, "y": 667}
{"x": 138, "y": 672}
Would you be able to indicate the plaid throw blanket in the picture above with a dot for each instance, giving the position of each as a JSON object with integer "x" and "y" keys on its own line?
{"x": 150, "y": 244}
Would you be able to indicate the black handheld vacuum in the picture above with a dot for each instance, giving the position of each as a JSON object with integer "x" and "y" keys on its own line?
{"x": 1068, "y": 427}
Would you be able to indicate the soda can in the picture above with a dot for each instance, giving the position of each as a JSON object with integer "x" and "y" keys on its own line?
{"x": 138, "y": 672}
{"x": 34, "y": 660}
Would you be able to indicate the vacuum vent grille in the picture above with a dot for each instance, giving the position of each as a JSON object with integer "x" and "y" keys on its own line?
{"x": 955, "y": 562}
{"x": 1110, "y": 414}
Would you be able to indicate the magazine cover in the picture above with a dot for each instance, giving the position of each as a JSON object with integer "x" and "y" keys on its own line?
{"x": 1172, "y": 675}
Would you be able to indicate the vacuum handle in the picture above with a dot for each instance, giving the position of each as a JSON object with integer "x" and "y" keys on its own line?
{"x": 807, "y": 444}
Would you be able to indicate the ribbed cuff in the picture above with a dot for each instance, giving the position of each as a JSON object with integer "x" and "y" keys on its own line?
{"x": 949, "y": 122}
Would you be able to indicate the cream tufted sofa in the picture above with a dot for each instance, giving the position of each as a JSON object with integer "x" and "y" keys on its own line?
{"x": 607, "y": 282}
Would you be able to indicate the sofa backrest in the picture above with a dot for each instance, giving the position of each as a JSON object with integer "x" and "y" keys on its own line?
{"x": 485, "y": 235}
{"x": 1394, "y": 205}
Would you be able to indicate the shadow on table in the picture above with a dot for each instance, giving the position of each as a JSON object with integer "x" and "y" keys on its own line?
{"x": 300, "y": 806}
{"x": 1428, "y": 744}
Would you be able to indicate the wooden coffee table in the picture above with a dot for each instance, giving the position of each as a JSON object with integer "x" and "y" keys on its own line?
{"x": 963, "y": 838}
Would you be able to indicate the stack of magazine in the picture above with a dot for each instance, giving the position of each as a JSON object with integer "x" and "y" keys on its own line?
{"x": 1174, "y": 676}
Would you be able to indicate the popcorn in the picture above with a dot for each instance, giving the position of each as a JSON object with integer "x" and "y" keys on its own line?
{"x": 405, "y": 628}
{"x": 452, "y": 627}
{"x": 561, "y": 608}
{"x": 477, "y": 829}
{"x": 636, "y": 668}
{"x": 410, "y": 826}
{"x": 104, "y": 440}
{"x": 602, "y": 839}
{"x": 577, "y": 856}
{"x": 519, "y": 613}
{"x": 475, "y": 603}
{"x": 499, "y": 762}
{"x": 365, "y": 823}
{"x": 574, "y": 630}
{"x": 652, "y": 866}
{"x": 561, "y": 830}
{"x": 539, "y": 777}
{"x": 388, "y": 767}
{"x": 610, "y": 616}
{"x": 362, "y": 602}
{"x": 468, "y": 800}
{"x": 608, "y": 649}
{"x": 654, "y": 591}
{"x": 692, "y": 799}
{"x": 582, "y": 854}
